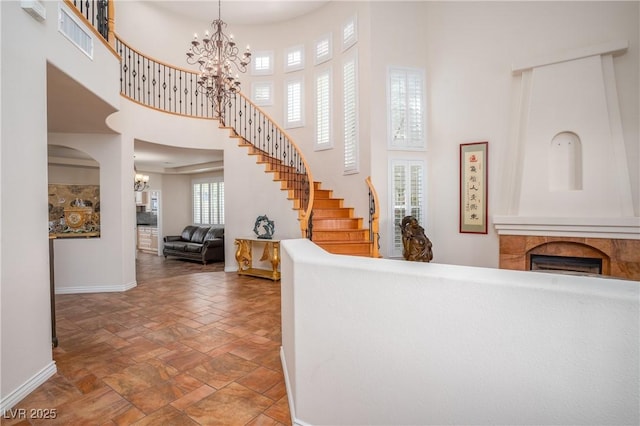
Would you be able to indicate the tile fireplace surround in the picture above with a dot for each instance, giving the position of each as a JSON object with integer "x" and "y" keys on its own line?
{"x": 620, "y": 257}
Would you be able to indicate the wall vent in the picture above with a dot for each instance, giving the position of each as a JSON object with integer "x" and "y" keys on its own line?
{"x": 74, "y": 31}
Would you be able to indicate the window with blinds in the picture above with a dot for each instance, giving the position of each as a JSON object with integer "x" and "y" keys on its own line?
{"x": 294, "y": 59}
{"x": 406, "y": 108}
{"x": 262, "y": 63}
{"x": 208, "y": 203}
{"x": 349, "y": 33}
{"x": 262, "y": 93}
{"x": 323, "y": 110}
{"x": 350, "y": 108}
{"x": 323, "y": 49}
{"x": 294, "y": 102}
{"x": 407, "y": 189}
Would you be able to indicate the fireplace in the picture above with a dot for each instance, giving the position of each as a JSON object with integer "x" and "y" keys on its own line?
{"x": 618, "y": 258}
{"x": 566, "y": 189}
{"x": 566, "y": 264}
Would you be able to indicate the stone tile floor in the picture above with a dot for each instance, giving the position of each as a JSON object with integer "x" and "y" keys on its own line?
{"x": 190, "y": 345}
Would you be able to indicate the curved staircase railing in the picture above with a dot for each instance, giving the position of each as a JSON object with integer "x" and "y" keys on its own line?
{"x": 166, "y": 88}
{"x": 278, "y": 152}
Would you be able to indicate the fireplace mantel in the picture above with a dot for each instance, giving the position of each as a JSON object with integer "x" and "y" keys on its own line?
{"x": 589, "y": 227}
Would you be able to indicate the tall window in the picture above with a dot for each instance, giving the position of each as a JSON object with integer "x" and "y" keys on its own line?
{"x": 407, "y": 189}
{"x": 208, "y": 202}
{"x": 350, "y": 111}
{"x": 294, "y": 102}
{"x": 323, "y": 110}
{"x": 406, "y": 108}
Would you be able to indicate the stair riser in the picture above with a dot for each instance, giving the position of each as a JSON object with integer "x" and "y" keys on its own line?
{"x": 350, "y": 249}
{"x": 333, "y": 224}
{"x": 327, "y": 203}
{"x": 341, "y": 235}
{"x": 345, "y": 212}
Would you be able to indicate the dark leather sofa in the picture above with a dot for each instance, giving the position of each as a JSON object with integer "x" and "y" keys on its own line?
{"x": 202, "y": 243}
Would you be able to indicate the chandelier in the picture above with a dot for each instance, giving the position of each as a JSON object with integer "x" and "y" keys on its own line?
{"x": 140, "y": 182}
{"x": 217, "y": 55}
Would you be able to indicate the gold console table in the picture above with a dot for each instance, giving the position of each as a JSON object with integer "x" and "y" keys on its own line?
{"x": 271, "y": 253}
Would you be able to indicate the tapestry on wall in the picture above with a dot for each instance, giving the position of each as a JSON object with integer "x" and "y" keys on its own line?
{"x": 74, "y": 210}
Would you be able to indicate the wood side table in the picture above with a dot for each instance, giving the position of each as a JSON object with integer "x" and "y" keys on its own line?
{"x": 270, "y": 253}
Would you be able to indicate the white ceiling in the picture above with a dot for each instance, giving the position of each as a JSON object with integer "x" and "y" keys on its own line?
{"x": 242, "y": 12}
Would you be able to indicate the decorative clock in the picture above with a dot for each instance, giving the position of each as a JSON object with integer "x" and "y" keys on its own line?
{"x": 75, "y": 218}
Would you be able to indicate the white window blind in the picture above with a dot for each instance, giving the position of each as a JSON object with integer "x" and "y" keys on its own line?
{"x": 262, "y": 63}
{"x": 323, "y": 49}
{"x": 323, "y": 110}
{"x": 350, "y": 108}
{"x": 262, "y": 93}
{"x": 294, "y": 103}
{"x": 349, "y": 33}
{"x": 407, "y": 189}
{"x": 294, "y": 59}
{"x": 208, "y": 203}
{"x": 406, "y": 108}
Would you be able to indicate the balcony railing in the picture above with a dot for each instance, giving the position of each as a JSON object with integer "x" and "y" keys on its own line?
{"x": 98, "y": 13}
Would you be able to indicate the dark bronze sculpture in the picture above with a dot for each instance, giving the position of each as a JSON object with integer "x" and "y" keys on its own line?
{"x": 417, "y": 246}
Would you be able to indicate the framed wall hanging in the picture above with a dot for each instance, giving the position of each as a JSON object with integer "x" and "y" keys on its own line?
{"x": 474, "y": 181}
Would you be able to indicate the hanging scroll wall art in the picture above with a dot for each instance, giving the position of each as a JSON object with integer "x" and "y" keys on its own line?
{"x": 473, "y": 187}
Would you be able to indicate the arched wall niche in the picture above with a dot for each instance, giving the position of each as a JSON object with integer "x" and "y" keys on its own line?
{"x": 73, "y": 193}
{"x": 565, "y": 162}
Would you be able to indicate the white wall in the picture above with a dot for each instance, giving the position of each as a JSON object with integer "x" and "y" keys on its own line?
{"x": 106, "y": 263}
{"x": 470, "y": 48}
{"x": 393, "y": 342}
{"x": 25, "y": 355}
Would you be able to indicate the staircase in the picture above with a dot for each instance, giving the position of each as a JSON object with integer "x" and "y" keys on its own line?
{"x": 323, "y": 218}
{"x": 334, "y": 226}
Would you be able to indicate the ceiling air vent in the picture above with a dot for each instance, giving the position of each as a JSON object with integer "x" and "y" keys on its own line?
{"x": 74, "y": 31}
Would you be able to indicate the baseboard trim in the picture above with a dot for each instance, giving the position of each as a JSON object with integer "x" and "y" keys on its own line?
{"x": 97, "y": 289}
{"x": 292, "y": 410}
{"x": 27, "y": 387}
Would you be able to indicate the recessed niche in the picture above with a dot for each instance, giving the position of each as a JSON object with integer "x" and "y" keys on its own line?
{"x": 565, "y": 162}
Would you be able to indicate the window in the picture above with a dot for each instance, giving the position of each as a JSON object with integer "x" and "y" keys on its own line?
{"x": 294, "y": 103}
{"x": 262, "y": 93}
{"x": 208, "y": 202}
{"x": 350, "y": 108}
{"x": 323, "y": 110}
{"x": 407, "y": 189}
{"x": 406, "y": 108}
{"x": 294, "y": 59}
{"x": 262, "y": 63}
{"x": 323, "y": 49}
{"x": 349, "y": 33}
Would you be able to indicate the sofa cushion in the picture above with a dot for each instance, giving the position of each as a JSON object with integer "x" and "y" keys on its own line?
{"x": 192, "y": 247}
{"x": 199, "y": 234}
{"x": 175, "y": 245}
{"x": 214, "y": 233}
{"x": 187, "y": 232}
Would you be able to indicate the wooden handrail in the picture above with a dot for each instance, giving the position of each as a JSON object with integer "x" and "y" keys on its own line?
{"x": 374, "y": 219}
